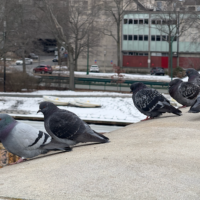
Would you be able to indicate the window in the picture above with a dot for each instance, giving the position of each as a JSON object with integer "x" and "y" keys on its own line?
{"x": 198, "y": 8}
{"x": 146, "y": 21}
{"x": 135, "y": 37}
{"x": 135, "y": 21}
{"x": 140, "y": 21}
{"x": 153, "y": 21}
{"x": 164, "y": 38}
{"x": 153, "y": 38}
{"x": 145, "y": 37}
{"x": 159, "y": 6}
{"x": 157, "y": 37}
{"x": 164, "y": 22}
{"x": 130, "y": 21}
{"x": 191, "y": 8}
{"x": 145, "y": 54}
{"x": 140, "y": 54}
{"x": 130, "y": 53}
{"x": 130, "y": 37}
{"x": 175, "y": 38}
{"x": 140, "y": 37}
{"x": 125, "y": 37}
{"x": 158, "y": 21}
{"x": 125, "y": 21}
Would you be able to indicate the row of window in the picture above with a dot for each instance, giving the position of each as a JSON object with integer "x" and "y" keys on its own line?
{"x": 146, "y": 21}
{"x": 146, "y": 37}
{"x": 144, "y": 54}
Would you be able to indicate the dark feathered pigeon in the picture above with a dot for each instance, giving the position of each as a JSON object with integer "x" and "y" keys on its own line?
{"x": 150, "y": 102}
{"x": 66, "y": 127}
{"x": 24, "y": 140}
{"x": 184, "y": 93}
{"x": 195, "y": 108}
{"x": 193, "y": 76}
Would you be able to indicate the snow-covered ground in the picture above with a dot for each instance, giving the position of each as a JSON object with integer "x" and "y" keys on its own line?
{"x": 112, "y": 109}
{"x": 138, "y": 77}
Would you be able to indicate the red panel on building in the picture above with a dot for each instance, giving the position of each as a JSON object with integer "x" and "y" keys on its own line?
{"x": 158, "y": 61}
{"x": 135, "y": 61}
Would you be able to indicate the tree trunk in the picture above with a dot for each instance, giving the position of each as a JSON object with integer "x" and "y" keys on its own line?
{"x": 23, "y": 62}
{"x": 170, "y": 59}
{"x": 4, "y": 77}
{"x": 76, "y": 52}
{"x": 118, "y": 45}
{"x": 71, "y": 68}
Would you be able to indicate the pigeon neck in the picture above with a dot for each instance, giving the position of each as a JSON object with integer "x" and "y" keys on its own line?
{"x": 193, "y": 78}
{"x": 50, "y": 112}
{"x": 5, "y": 132}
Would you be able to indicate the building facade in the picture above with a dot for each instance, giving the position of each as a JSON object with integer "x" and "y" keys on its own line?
{"x": 145, "y": 43}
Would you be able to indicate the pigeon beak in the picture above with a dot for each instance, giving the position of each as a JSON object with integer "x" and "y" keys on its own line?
{"x": 39, "y": 111}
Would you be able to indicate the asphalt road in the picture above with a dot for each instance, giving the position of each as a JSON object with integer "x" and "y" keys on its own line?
{"x": 99, "y": 128}
{"x": 29, "y": 68}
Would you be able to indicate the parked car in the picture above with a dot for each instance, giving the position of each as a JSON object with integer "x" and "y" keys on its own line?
{"x": 55, "y": 59}
{"x": 28, "y": 61}
{"x": 33, "y": 56}
{"x": 43, "y": 69}
{"x": 94, "y": 68}
{"x": 157, "y": 71}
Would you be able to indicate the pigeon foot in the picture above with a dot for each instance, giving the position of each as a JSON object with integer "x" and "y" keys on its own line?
{"x": 19, "y": 161}
{"x": 182, "y": 107}
{"x": 148, "y": 118}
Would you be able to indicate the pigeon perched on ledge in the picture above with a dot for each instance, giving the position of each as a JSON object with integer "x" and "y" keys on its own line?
{"x": 150, "y": 102}
{"x": 184, "y": 93}
{"x": 66, "y": 127}
{"x": 24, "y": 140}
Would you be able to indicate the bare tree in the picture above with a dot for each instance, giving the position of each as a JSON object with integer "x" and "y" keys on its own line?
{"x": 114, "y": 15}
{"x": 70, "y": 25}
{"x": 8, "y": 21}
{"x": 172, "y": 23}
{"x": 25, "y": 32}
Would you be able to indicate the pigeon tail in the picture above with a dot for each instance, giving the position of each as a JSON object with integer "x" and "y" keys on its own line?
{"x": 176, "y": 111}
{"x": 193, "y": 111}
{"x": 100, "y": 134}
{"x": 92, "y": 136}
{"x": 169, "y": 108}
{"x": 55, "y": 146}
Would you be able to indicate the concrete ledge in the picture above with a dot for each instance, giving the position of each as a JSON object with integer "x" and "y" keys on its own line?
{"x": 155, "y": 159}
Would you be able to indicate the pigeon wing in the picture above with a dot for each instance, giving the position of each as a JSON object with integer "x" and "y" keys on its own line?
{"x": 65, "y": 124}
{"x": 189, "y": 90}
{"x": 149, "y": 100}
{"x": 28, "y": 137}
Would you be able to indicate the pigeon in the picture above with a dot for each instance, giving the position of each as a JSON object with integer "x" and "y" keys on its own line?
{"x": 150, "y": 102}
{"x": 193, "y": 76}
{"x": 195, "y": 108}
{"x": 24, "y": 140}
{"x": 184, "y": 93}
{"x": 66, "y": 127}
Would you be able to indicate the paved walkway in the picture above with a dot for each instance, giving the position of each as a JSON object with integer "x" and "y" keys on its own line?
{"x": 156, "y": 159}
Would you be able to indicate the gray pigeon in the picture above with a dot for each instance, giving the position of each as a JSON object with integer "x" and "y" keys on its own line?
{"x": 195, "y": 108}
{"x": 184, "y": 93}
{"x": 193, "y": 76}
{"x": 24, "y": 140}
{"x": 66, "y": 127}
{"x": 150, "y": 102}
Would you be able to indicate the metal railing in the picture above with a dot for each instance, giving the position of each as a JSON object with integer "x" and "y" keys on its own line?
{"x": 101, "y": 82}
